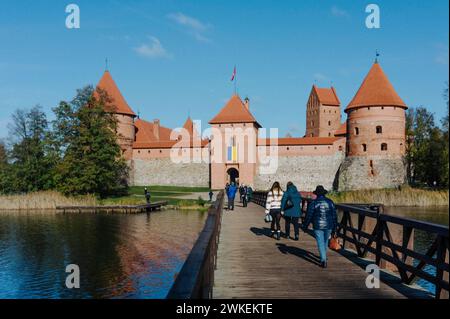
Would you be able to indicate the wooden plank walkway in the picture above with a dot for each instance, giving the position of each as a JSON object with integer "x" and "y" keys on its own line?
{"x": 252, "y": 265}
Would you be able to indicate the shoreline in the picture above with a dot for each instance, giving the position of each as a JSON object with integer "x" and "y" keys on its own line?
{"x": 50, "y": 200}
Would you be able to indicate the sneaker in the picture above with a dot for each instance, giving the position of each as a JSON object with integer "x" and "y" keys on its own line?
{"x": 278, "y": 235}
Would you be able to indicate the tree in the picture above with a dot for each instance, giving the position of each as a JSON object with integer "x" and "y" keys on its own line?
{"x": 4, "y": 178}
{"x": 92, "y": 161}
{"x": 30, "y": 168}
{"x": 445, "y": 155}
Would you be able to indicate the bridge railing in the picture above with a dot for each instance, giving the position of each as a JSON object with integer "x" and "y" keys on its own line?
{"x": 389, "y": 241}
{"x": 196, "y": 278}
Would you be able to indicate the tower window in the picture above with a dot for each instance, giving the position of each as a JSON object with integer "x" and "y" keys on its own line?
{"x": 384, "y": 147}
{"x": 329, "y": 123}
{"x": 340, "y": 147}
{"x": 356, "y": 130}
{"x": 329, "y": 134}
{"x": 379, "y": 130}
{"x": 364, "y": 147}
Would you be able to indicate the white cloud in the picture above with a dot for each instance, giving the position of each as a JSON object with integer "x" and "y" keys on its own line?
{"x": 153, "y": 50}
{"x": 338, "y": 12}
{"x": 192, "y": 26}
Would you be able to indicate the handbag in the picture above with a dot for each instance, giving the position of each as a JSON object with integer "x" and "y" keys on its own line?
{"x": 268, "y": 218}
{"x": 288, "y": 204}
{"x": 334, "y": 243}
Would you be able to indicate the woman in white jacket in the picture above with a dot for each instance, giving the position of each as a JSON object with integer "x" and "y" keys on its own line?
{"x": 273, "y": 207}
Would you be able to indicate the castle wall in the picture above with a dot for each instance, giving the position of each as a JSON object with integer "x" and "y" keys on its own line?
{"x": 306, "y": 171}
{"x": 163, "y": 171}
{"x": 374, "y": 172}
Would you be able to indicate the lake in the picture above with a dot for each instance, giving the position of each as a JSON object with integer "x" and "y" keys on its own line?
{"x": 423, "y": 240}
{"x": 119, "y": 256}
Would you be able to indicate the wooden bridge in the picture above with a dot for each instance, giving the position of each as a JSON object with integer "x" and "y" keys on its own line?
{"x": 234, "y": 257}
{"x": 122, "y": 209}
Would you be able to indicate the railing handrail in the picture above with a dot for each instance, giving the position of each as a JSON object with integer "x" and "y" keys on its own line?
{"x": 196, "y": 278}
{"x": 381, "y": 237}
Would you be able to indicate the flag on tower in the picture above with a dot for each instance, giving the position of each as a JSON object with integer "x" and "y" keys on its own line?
{"x": 233, "y": 76}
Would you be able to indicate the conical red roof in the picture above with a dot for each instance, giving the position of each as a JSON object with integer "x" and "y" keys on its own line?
{"x": 107, "y": 84}
{"x": 376, "y": 90}
{"x": 234, "y": 112}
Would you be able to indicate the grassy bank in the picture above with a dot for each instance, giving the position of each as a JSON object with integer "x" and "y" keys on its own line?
{"x": 50, "y": 199}
{"x": 393, "y": 197}
{"x": 43, "y": 200}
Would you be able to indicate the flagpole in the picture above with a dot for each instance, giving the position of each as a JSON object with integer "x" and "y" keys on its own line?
{"x": 235, "y": 81}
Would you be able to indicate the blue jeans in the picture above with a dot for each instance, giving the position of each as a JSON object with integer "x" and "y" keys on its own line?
{"x": 322, "y": 238}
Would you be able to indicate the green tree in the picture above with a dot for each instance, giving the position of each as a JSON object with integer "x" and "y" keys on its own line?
{"x": 30, "y": 168}
{"x": 92, "y": 160}
{"x": 4, "y": 170}
{"x": 445, "y": 155}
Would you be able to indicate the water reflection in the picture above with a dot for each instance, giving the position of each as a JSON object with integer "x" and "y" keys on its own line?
{"x": 120, "y": 256}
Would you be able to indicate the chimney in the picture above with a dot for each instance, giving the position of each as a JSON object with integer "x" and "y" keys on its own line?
{"x": 156, "y": 129}
{"x": 247, "y": 103}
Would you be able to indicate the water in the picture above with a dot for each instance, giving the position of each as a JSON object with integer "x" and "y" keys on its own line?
{"x": 120, "y": 256}
{"x": 423, "y": 240}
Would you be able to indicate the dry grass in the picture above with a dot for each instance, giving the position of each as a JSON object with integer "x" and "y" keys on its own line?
{"x": 392, "y": 197}
{"x": 43, "y": 201}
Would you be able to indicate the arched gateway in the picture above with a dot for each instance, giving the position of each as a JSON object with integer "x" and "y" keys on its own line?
{"x": 233, "y": 175}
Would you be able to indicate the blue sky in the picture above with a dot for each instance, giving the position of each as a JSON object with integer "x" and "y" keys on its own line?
{"x": 171, "y": 58}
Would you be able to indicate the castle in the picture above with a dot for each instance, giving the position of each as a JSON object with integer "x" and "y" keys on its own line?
{"x": 365, "y": 152}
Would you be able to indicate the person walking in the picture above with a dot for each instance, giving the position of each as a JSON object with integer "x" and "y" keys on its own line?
{"x": 249, "y": 193}
{"x": 273, "y": 207}
{"x": 241, "y": 190}
{"x": 291, "y": 209}
{"x": 322, "y": 214}
{"x": 245, "y": 196}
{"x": 210, "y": 195}
{"x": 231, "y": 193}
{"x": 147, "y": 195}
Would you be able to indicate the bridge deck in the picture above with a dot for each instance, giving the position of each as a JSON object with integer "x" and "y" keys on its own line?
{"x": 252, "y": 265}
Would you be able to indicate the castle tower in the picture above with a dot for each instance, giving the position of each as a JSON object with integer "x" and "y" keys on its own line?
{"x": 234, "y": 144}
{"x": 124, "y": 114}
{"x": 375, "y": 135}
{"x": 323, "y": 112}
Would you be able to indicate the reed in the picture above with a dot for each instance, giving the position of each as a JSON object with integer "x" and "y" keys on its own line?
{"x": 47, "y": 200}
{"x": 406, "y": 196}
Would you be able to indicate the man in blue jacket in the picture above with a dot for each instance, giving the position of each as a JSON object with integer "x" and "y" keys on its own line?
{"x": 322, "y": 214}
{"x": 231, "y": 194}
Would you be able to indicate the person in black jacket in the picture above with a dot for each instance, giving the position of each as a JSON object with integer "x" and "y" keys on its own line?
{"x": 291, "y": 208}
{"x": 322, "y": 214}
{"x": 147, "y": 195}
